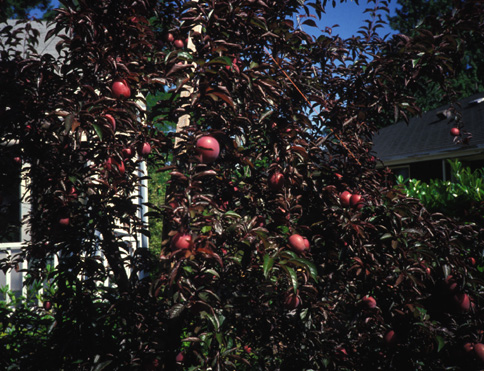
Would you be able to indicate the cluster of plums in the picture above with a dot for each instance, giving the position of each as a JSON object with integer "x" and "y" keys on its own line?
{"x": 177, "y": 43}
{"x": 348, "y": 199}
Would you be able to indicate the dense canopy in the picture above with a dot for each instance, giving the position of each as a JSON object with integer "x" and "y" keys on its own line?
{"x": 283, "y": 246}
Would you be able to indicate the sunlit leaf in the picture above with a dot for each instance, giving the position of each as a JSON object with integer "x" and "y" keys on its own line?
{"x": 268, "y": 263}
{"x": 292, "y": 276}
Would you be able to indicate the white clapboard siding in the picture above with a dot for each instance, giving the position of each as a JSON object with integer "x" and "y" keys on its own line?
{"x": 14, "y": 278}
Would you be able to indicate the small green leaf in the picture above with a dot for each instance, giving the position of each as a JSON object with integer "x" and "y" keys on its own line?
{"x": 213, "y": 272}
{"x": 98, "y": 131}
{"x": 440, "y": 342}
{"x": 185, "y": 55}
{"x": 284, "y": 229}
{"x": 102, "y": 365}
{"x": 292, "y": 276}
{"x": 262, "y": 233}
{"x": 304, "y": 313}
{"x": 310, "y": 267}
{"x": 213, "y": 319}
{"x": 206, "y": 229}
{"x": 386, "y": 236}
{"x": 258, "y": 23}
{"x": 268, "y": 263}
{"x": 232, "y": 214}
{"x": 288, "y": 254}
{"x": 221, "y": 60}
{"x": 219, "y": 337}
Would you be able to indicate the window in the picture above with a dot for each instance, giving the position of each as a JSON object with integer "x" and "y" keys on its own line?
{"x": 10, "y": 222}
{"x": 404, "y": 171}
{"x": 12, "y": 210}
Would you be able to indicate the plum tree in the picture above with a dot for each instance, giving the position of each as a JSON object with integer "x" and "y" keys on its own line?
{"x": 294, "y": 104}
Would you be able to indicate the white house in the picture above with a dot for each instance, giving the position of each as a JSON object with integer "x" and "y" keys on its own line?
{"x": 14, "y": 208}
{"x": 421, "y": 149}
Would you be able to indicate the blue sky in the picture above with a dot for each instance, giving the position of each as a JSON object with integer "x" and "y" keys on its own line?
{"x": 349, "y": 16}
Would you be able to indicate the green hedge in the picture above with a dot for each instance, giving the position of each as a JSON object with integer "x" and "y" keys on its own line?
{"x": 462, "y": 198}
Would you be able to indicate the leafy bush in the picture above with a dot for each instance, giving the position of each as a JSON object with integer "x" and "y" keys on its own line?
{"x": 24, "y": 325}
{"x": 463, "y": 197}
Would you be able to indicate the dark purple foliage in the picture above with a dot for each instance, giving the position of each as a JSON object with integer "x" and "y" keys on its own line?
{"x": 222, "y": 302}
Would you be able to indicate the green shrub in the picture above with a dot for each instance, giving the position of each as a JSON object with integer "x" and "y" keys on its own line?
{"x": 462, "y": 198}
{"x": 25, "y": 326}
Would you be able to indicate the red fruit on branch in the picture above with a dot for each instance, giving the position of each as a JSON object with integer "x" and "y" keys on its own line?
{"x": 463, "y": 302}
{"x": 169, "y": 37}
{"x": 390, "y": 337}
{"x": 64, "y": 222}
{"x": 276, "y": 181}
{"x": 345, "y": 198}
{"x": 145, "y": 149}
{"x": 47, "y": 305}
{"x": 479, "y": 351}
{"x": 179, "y": 44}
{"x": 468, "y": 347}
{"x": 455, "y": 132}
{"x": 291, "y": 301}
{"x": 451, "y": 284}
{"x": 306, "y": 242}
{"x": 298, "y": 243}
{"x": 208, "y": 149}
{"x": 179, "y": 357}
{"x": 368, "y": 302}
{"x": 127, "y": 152}
{"x": 341, "y": 351}
{"x": 73, "y": 192}
{"x": 181, "y": 241}
{"x": 355, "y": 200}
{"x": 121, "y": 89}
{"x": 121, "y": 168}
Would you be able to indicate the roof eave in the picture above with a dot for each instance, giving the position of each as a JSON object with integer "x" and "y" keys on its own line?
{"x": 441, "y": 155}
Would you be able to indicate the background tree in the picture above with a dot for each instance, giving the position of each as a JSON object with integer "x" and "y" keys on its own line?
{"x": 413, "y": 17}
{"x": 20, "y": 9}
{"x": 284, "y": 247}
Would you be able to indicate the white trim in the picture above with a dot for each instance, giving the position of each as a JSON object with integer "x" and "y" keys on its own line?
{"x": 15, "y": 247}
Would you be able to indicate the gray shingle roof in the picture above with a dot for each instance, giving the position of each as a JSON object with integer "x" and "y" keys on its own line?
{"x": 429, "y": 135}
